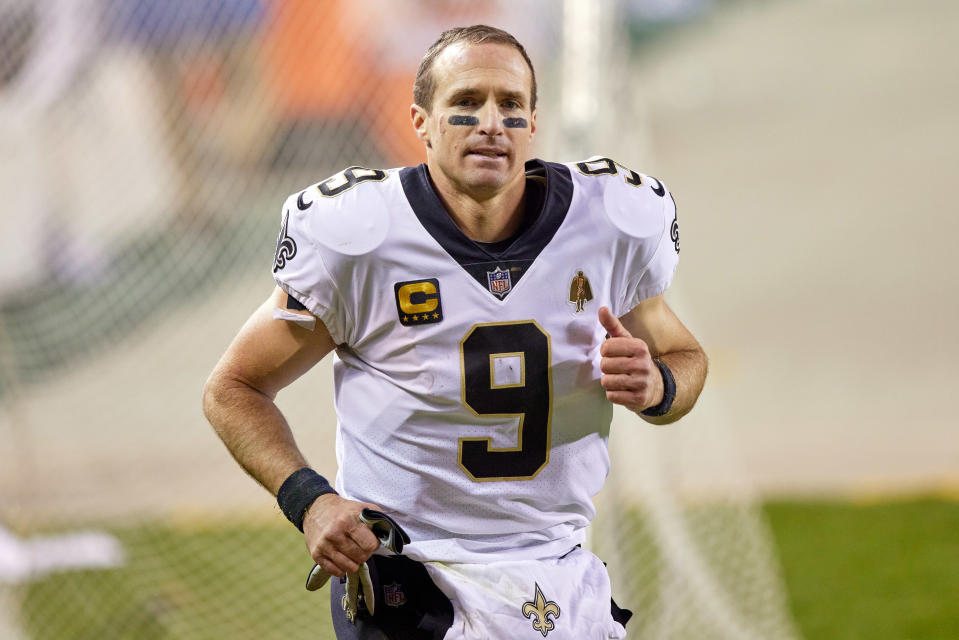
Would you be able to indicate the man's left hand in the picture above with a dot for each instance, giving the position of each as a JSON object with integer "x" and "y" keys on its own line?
{"x": 630, "y": 376}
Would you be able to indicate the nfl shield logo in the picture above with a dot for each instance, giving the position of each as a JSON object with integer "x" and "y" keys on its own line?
{"x": 393, "y": 594}
{"x": 499, "y": 281}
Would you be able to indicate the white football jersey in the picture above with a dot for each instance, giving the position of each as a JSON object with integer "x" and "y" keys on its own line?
{"x": 467, "y": 376}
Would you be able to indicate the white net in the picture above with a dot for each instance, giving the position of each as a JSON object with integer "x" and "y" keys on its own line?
{"x": 147, "y": 146}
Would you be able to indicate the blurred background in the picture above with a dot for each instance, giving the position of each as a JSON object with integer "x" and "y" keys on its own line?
{"x": 146, "y": 147}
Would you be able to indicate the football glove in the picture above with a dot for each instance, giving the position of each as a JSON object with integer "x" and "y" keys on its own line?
{"x": 392, "y": 536}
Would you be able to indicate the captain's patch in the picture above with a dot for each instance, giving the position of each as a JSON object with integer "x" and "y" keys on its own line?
{"x": 418, "y": 302}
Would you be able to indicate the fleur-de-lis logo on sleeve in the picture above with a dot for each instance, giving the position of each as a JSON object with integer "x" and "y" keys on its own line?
{"x": 285, "y": 246}
{"x": 540, "y": 610}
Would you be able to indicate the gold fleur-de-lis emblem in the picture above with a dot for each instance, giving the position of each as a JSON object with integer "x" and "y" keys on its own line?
{"x": 539, "y": 611}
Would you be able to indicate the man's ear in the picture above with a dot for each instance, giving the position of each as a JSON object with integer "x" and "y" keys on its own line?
{"x": 419, "y": 117}
{"x": 532, "y": 125}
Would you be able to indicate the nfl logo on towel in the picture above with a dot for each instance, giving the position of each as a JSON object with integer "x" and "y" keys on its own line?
{"x": 394, "y": 595}
{"x": 499, "y": 281}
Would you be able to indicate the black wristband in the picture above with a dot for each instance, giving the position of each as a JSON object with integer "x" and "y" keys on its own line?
{"x": 298, "y": 492}
{"x": 669, "y": 392}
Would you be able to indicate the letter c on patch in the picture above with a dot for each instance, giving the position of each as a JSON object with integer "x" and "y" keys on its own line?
{"x": 418, "y": 297}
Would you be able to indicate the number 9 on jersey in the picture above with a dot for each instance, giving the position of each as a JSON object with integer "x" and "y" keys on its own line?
{"x": 506, "y": 373}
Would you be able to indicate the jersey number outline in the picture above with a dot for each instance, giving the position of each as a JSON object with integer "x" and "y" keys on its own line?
{"x": 530, "y": 398}
{"x": 608, "y": 167}
{"x": 349, "y": 178}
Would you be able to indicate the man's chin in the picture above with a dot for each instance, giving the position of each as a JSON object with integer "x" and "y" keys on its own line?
{"x": 481, "y": 182}
{"x": 487, "y": 180}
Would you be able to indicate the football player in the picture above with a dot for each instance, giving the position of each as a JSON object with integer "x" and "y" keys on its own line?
{"x": 485, "y": 311}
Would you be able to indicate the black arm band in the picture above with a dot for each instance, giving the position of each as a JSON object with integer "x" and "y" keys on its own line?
{"x": 669, "y": 392}
{"x": 298, "y": 492}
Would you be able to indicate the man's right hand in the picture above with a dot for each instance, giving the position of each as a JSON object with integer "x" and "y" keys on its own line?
{"x": 336, "y": 538}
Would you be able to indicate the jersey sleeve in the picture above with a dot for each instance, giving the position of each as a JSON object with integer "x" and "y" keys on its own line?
{"x": 300, "y": 270}
{"x": 648, "y": 245}
{"x": 654, "y": 277}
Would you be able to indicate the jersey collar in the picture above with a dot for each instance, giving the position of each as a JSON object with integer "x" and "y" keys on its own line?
{"x": 480, "y": 261}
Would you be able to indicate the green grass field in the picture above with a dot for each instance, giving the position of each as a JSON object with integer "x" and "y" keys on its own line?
{"x": 880, "y": 572}
{"x": 885, "y": 571}
{"x": 186, "y": 581}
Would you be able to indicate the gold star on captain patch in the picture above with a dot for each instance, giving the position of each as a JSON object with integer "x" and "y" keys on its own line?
{"x": 435, "y": 316}
{"x": 416, "y": 318}
{"x": 406, "y": 318}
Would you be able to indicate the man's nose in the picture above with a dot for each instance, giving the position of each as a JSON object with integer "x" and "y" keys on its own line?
{"x": 490, "y": 119}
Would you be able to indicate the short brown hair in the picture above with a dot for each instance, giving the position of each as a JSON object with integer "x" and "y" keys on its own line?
{"x": 425, "y": 85}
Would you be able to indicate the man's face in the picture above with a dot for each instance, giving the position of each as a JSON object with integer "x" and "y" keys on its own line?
{"x": 481, "y": 125}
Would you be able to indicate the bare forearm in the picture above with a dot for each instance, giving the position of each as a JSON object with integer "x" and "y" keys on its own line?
{"x": 253, "y": 430}
{"x": 689, "y": 371}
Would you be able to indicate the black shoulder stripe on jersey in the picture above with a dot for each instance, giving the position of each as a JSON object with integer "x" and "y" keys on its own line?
{"x": 476, "y": 259}
{"x": 293, "y": 303}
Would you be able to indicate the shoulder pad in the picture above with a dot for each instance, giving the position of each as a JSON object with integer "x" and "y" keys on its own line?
{"x": 342, "y": 216}
{"x": 634, "y": 203}
{"x": 637, "y": 211}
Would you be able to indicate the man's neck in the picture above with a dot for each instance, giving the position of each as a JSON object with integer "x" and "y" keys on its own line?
{"x": 482, "y": 217}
